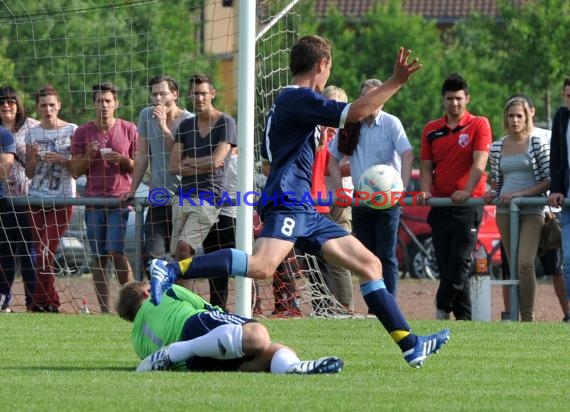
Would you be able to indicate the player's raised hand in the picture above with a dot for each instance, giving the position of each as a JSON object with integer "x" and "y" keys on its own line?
{"x": 404, "y": 68}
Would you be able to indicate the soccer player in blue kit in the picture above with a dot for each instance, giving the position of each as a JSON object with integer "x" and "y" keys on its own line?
{"x": 290, "y": 220}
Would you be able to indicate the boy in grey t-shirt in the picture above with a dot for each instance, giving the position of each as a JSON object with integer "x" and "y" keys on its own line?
{"x": 157, "y": 126}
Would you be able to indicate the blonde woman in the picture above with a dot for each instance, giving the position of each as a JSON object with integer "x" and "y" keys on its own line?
{"x": 520, "y": 168}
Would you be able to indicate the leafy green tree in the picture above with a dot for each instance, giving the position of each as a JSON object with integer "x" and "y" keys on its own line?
{"x": 523, "y": 50}
{"x": 72, "y": 45}
{"x": 474, "y": 50}
{"x": 7, "y": 65}
{"x": 536, "y": 49}
{"x": 367, "y": 48}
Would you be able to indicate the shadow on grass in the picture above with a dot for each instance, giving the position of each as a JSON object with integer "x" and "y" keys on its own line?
{"x": 66, "y": 368}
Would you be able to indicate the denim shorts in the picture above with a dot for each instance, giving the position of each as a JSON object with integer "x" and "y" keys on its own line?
{"x": 106, "y": 229}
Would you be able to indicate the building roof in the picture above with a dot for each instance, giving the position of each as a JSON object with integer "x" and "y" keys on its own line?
{"x": 439, "y": 10}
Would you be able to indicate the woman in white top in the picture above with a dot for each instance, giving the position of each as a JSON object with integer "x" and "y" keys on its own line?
{"x": 14, "y": 118}
{"x": 48, "y": 158}
{"x": 520, "y": 167}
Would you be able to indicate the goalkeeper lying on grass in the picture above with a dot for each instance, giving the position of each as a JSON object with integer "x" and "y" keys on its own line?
{"x": 185, "y": 332}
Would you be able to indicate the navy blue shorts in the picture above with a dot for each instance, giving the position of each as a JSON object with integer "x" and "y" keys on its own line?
{"x": 305, "y": 227}
{"x": 202, "y": 323}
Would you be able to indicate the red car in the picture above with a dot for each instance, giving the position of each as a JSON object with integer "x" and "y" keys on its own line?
{"x": 415, "y": 247}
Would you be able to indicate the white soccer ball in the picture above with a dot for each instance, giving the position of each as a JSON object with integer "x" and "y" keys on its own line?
{"x": 380, "y": 187}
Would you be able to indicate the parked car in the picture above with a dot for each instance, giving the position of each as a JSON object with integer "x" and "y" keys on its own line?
{"x": 73, "y": 256}
{"x": 415, "y": 251}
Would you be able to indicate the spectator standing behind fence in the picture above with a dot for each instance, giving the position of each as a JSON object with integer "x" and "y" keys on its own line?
{"x": 104, "y": 150}
{"x": 222, "y": 233}
{"x": 379, "y": 139}
{"x": 14, "y": 118}
{"x": 48, "y": 161}
{"x": 551, "y": 260}
{"x": 9, "y": 224}
{"x": 339, "y": 278}
{"x": 201, "y": 146}
{"x": 520, "y": 168}
{"x": 560, "y": 174}
{"x": 157, "y": 126}
{"x": 454, "y": 153}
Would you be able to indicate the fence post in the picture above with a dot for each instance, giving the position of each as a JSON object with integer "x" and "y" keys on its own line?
{"x": 513, "y": 263}
{"x": 139, "y": 217}
{"x": 480, "y": 292}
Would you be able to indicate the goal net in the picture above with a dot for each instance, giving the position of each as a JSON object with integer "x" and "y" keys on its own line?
{"x": 72, "y": 45}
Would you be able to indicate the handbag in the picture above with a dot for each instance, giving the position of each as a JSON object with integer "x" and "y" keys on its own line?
{"x": 551, "y": 237}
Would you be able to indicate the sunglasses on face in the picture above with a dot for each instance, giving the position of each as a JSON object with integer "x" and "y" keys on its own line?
{"x": 7, "y": 100}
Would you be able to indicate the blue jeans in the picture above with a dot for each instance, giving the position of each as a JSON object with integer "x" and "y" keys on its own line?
{"x": 15, "y": 243}
{"x": 378, "y": 231}
{"x": 565, "y": 221}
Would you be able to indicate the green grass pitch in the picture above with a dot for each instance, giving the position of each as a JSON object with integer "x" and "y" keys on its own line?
{"x": 85, "y": 363}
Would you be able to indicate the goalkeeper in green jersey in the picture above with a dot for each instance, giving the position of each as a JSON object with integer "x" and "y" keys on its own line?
{"x": 185, "y": 332}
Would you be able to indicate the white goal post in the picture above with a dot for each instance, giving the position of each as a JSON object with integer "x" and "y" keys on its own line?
{"x": 246, "y": 116}
{"x": 71, "y": 45}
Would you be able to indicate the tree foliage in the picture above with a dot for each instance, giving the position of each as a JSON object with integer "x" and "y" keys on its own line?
{"x": 524, "y": 49}
{"x": 367, "y": 48}
{"x": 473, "y": 50}
{"x": 536, "y": 38}
{"x": 73, "y": 45}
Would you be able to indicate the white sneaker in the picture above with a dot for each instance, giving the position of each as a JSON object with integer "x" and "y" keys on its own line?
{"x": 5, "y": 303}
{"x": 332, "y": 364}
{"x": 156, "y": 361}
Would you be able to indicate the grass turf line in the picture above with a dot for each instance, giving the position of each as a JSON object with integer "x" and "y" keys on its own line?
{"x": 85, "y": 363}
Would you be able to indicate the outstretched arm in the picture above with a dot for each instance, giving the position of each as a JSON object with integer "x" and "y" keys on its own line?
{"x": 367, "y": 104}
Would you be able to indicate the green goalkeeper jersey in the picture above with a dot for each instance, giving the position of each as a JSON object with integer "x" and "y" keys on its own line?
{"x": 158, "y": 326}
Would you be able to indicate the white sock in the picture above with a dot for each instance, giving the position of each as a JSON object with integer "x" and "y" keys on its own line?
{"x": 224, "y": 342}
{"x": 282, "y": 360}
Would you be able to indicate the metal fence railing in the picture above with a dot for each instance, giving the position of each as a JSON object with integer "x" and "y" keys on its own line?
{"x": 515, "y": 207}
{"x": 140, "y": 204}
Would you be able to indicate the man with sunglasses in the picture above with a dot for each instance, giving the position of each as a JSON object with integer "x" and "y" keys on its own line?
{"x": 13, "y": 116}
{"x": 157, "y": 126}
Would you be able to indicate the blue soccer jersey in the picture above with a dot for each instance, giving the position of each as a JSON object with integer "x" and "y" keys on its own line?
{"x": 7, "y": 145}
{"x": 291, "y": 137}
